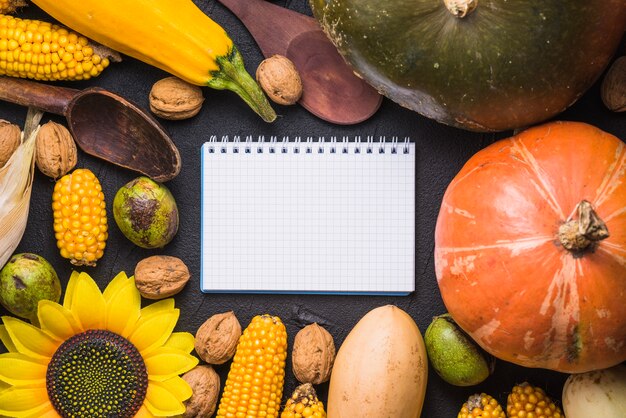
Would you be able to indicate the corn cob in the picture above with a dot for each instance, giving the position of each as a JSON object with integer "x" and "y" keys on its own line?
{"x": 80, "y": 221}
{"x": 9, "y": 6}
{"x": 44, "y": 51}
{"x": 531, "y": 401}
{"x": 304, "y": 403}
{"x": 254, "y": 386}
{"x": 481, "y": 405}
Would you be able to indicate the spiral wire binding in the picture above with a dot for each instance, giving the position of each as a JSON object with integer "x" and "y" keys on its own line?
{"x": 309, "y": 146}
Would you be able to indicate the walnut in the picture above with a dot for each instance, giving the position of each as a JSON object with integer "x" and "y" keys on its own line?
{"x": 216, "y": 339}
{"x": 10, "y": 138}
{"x": 280, "y": 79}
{"x": 205, "y": 384}
{"x": 614, "y": 86}
{"x": 160, "y": 276}
{"x": 55, "y": 150}
{"x": 313, "y": 355}
{"x": 174, "y": 99}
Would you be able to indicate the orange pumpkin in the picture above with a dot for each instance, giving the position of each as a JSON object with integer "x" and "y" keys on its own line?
{"x": 530, "y": 248}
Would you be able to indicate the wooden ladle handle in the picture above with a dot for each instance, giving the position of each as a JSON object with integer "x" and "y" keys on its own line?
{"x": 53, "y": 99}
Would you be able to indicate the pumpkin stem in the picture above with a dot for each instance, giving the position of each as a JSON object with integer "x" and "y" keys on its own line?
{"x": 577, "y": 235}
{"x": 461, "y": 8}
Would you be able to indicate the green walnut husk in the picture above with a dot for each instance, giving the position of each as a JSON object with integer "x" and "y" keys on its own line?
{"x": 146, "y": 213}
{"x": 24, "y": 281}
{"x": 456, "y": 358}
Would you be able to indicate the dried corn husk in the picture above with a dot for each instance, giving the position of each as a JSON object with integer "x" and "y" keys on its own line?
{"x": 16, "y": 181}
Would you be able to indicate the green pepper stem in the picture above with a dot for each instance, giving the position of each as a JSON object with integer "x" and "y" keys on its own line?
{"x": 233, "y": 76}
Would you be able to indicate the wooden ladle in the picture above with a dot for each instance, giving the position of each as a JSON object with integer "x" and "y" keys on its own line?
{"x": 331, "y": 90}
{"x": 103, "y": 124}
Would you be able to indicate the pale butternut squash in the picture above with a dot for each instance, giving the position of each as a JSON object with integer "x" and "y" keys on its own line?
{"x": 173, "y": 35}
{"x": 381, "y": 369}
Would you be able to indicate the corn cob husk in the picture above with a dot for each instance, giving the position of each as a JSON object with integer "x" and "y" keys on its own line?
{"x": 16, "y": 181}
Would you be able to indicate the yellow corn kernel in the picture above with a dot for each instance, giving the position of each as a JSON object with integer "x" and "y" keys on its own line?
{"x": 531, "y": 401}
{"x": 40, "y": 44}
{"x": 77, "y": 237}
{"x": 254, "y": 386}
{"x": 481, "y": 405}
{"x": 303, "y": 404}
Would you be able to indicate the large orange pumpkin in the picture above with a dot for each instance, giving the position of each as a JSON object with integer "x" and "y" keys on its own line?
{"x": 530, "y": 250}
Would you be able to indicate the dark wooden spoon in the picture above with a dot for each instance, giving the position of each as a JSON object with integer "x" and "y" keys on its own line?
{"x": 103, "y": 124}
{"x": 331, "y": 90}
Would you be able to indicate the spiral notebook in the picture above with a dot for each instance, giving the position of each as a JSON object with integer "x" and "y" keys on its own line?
{"x": 308, "y": 215}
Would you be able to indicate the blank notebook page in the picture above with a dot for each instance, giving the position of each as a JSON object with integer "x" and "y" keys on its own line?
{"x": 308, "y": 217}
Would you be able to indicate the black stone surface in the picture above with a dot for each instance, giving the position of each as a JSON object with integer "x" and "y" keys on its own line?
{"x": 441, "y": 152}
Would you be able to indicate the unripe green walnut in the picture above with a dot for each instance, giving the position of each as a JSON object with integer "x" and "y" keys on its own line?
{"x": 24, "y": 281}
{"x": 456, "y": 358}
{"x": 146, "y": 213}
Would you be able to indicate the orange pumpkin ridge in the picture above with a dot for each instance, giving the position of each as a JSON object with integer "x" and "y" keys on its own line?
{"x": 503, "y": 271}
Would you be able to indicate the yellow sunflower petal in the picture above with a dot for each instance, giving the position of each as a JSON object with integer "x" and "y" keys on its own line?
{"x": 161, "y": 402}
{"x": 20, "y": 370}
{"x": 29, "y": 339}
{"x": 143, "y": 413}
{"x": 158, "y": 307}
{"x": 6, "y": 340}
{"x": 4, "y": 386}
{"x": 56, "y": 320}
{"x": 152, "y": 332}
{"x": 178, "y": 387}
{"x": 69, "y": 290}
{"x": 182, "y": 341}
{"x": 23, "y": 402}
{"x": 123, "y": 307}
{"x": 51, "y": 413}
{"x": 165, "y": 363}
{"x": 88, "y": 304}
{"x": 115, "y": 285}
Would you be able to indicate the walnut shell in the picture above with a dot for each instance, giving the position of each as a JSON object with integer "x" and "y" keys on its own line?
{"x": 280, "y": 80}
{"x": 10, "y": 138}
{"x": 174, "y": 99}
{"x": 160, "y": 276}
{"x": 614, "y": 86}
{"x": 216, "y": 339}
{"x": 313, "y": 355}
{"x": 55, "y": 150}
{"x": 205, "y": 384}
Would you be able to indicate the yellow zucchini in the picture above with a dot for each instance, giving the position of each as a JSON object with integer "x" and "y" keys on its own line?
{"x": 173, "y": 35}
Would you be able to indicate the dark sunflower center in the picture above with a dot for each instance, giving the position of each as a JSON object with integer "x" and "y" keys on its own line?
{"x": 97, "y": 374}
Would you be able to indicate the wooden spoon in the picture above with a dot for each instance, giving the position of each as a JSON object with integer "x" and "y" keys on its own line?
{"x": 331, "y": 90}
{"x": 103, "y": 124}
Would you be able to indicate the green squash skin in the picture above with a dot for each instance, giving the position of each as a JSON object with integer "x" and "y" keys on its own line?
{"x": 508, "y": 64}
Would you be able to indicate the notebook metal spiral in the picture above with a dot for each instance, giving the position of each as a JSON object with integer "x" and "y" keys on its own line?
{"x": 299, "y": 146}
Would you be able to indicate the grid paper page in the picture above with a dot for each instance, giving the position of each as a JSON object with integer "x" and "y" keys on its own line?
{"x": 281, "y": 219}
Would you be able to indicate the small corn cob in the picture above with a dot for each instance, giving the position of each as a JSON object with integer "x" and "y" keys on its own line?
{"x": 254, "y": 386}
{"x": 44, "y": 51}
{"x": 304, "y": 403}
{"x": 80, "y": 221}
{"x": 526, "y": 400}
{"x": 9, "y": 6}
{"x": 481, "y": 405}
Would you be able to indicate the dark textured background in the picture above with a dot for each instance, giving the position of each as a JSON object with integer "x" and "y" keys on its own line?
{"x": 441, "y": 152}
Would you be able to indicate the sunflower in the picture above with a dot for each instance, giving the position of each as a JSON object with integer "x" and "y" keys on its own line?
{"x": 97, "y": 355}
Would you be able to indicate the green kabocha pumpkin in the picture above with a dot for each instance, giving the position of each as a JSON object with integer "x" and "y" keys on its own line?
{"x": 482, "y": 65}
